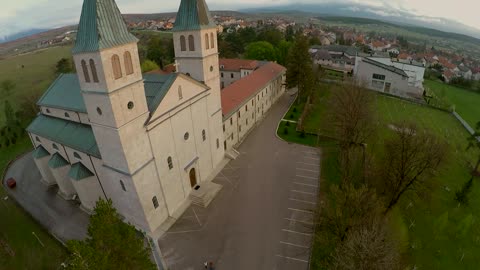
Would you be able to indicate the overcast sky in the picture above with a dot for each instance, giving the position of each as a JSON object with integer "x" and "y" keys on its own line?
{"x": 20, "y": 15}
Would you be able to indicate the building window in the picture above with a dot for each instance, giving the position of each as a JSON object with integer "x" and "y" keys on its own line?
{"x": 211, "y": 68}
{"x": 218, "y": 143}
{"x": 183, "y": 44}
{"x": 76, "y": 155}
{"x": 180, "y": 93}
{"x": 47, "y": 110}
{"x": 231, "y": 75}
{"x": 221, "y": 74}
{"x": 258, "y": 97}
{"x": 94, "y": 71}
{"x": 212, "y": 41}
{"x": 130, "y": 105}
{"x": 204, "y": 135}
{"x": 191, "y": 43}
{"x": 155, "y": 202}
{"x": 186, "y": 136}
{"x": 123, "y": 185}
{"x": 252, "y": 102}
{"x": 67, "y": 115}
{"x": 223, "y": 128}
{"x": 85, "y": 71}
{"x": 55, "y": 146}
{"x": 117, "y": 68}
{"x": 99, "y": 111}
{"x": 207, "y": 42}
{"x": 231, "y": 121}
{"x": 246, "y": 122}
{"x": 170, "y": 163}
{"x": 127, "y": 58}
{"x": 246, "y": 108}
{"x": 38, "y": 139}
{"x": 379, "y": 77}
{"x": 231, "y": 136}
{"x": 239, "y": 128}
{"x": 239, "y": 114}
{"x": 253, "y": 116}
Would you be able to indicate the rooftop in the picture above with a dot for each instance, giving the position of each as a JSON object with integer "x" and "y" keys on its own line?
{"x": 236, "y": 94}
{"x": 350, "y": 50}
{"x": 384, "y": 66}
{"x": 237, "y": 64}
{"x": 193, "y": 15}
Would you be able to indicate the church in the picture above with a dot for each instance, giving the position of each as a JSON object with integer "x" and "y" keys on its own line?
{"x": 152, "y": 143}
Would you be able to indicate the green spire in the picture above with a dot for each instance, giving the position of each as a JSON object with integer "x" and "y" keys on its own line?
{"x": 193, "y": 15}
{"x": 101, "y": 26}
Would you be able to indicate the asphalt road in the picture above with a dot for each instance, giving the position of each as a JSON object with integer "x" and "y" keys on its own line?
{"x": 262, "y": 218}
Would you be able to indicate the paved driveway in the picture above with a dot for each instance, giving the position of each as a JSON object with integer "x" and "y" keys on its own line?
{"x": 62, "y": 218}
{"x": 262, "y": 218}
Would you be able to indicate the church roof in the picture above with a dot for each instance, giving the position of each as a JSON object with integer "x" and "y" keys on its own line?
{"x": 237, "y": 64}
{"x": 101, "y": 26}
{"x": 40, "y": 152}
{"x": 65, "y": 92}
{"x": 193, "y": 15}
{"x": 72, "y": 134}
{"x": 57, "y": 161}
{"x": 239, "y": 92}
{"x": 79, "y": 172}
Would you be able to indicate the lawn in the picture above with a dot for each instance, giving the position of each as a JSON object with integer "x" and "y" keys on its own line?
{"x": 34, "y": 77}
{"x": 467, "y": 103}
{"x": 438, "y": 234}
{"x": 19, "y": 248}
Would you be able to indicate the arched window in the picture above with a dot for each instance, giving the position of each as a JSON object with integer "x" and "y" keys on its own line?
{"x": 94, "y": 71}
{"x": 207, "y": 42}
{"x": 123, "y": 185}
{"x": 155, "y": 202}
{"x": 67, "y": 115}
{"x": 117, "y": 69}
{"x": 183, "y": 43}
{"x": 180, "y": 93}
{"x": 55, "y": 146}
{"x": 127, "y": 58}
{"x": 191, "y": 43}
{"x": 85, "y": 71}
{"x": 218, "y": 143}
{"x": 204, "y": 135}
{"x": 212, "y": 41}
{"x": 38, "y": 139}
{"x": 170, "y": 163}
{"x": 76, "y": 155}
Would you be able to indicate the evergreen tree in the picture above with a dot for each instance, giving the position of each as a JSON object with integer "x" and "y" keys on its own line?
{"x": 9, "y": 114}
{"x": 149, "y": 65}
{"x": 461, "y": 196}
{"x": 299, "y": 64}
{"x": 111, "y": 244}
{"x": 64, "y": 65}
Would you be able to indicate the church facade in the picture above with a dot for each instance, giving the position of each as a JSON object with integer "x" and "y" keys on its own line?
{"x": 145, "y": 141}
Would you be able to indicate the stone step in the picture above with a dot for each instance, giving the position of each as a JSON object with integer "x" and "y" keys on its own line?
{"x": 204, "y": 195}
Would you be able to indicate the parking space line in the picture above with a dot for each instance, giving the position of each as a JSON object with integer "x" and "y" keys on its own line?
{"x": 309, "y": 152}
{"x": 302, "y": 201}
{"x": 308, "y": 177}
{"x": 299, "y": 221}
{"x": 290, "y": 231}
{"x": 290, "y": 258}
{"x": 303, "y": 192}
{"x": 293, "y": 245}
{"x": 307, "y": 170}
{"x": 299, "y": 210}
{"x": 310, "y": 164}
{"x": 312, "y": 158}
{"x": 307, "y": 185}
{"x": 199, "y": 223}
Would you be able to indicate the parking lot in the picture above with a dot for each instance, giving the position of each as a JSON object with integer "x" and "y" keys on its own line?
{"x": 263, "y": 216}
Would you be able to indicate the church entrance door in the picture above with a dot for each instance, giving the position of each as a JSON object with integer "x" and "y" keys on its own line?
{"x": 193, "y": 177}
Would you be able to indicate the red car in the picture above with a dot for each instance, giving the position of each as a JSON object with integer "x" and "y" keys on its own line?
{"x": 11, "y": 183}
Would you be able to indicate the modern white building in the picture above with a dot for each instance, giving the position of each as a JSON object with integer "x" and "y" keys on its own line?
{"x": 414, "y": 71}
{"x": 148, "y": 142}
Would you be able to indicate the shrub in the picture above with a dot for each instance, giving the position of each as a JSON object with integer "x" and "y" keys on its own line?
{"x": 294, "y": 109}
{"x": 461, "y": 196}
{"x": 285, "y": 131}
{"x": 287, "y": 124}
{"x": 14, "y": 141}
{"x": 291, "y": 116}
{"x": 302, "y": 134}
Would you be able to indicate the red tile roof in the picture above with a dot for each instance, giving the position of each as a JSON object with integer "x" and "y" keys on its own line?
{"x": 237, "y": 64}
{"x": 236, "y": 94}
{"x": 170, "y": 68}
{"x": 157, "y": 71}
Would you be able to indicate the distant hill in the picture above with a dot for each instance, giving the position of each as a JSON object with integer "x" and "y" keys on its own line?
{"x": 135, "y": 18}
{"x": 21, "y": 35}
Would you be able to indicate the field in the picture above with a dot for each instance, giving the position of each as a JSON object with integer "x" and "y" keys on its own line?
{"x": 33, "y": 78}
{"x": 467, "y": 103}
{"x": 437, "y": 233}
{"x": 19, "y": 248}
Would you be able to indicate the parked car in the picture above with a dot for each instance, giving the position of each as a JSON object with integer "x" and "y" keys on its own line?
{"x": 11, "y": 183}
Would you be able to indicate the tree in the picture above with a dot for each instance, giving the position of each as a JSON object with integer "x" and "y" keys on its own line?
{"x": 461, "y": 196}
{"x": 283, "y": 50}
{"x": 28, "y": 105}
{"x": 149, "y": 65}
{"x": 64, "y": 65}
{"x": 367, "y": 248}
{"x": 290, "y": 34}
{"x": 261, "y": 50}
{"x": 270, "y": 35}
{"x": 7, "y": 86}
{"x": 411, "y": 157}
{"x": 299, "y": 67}
{"x": 352, "y": 117}
{"x": 9, "y": 114}
{"x": 111, "y": 244}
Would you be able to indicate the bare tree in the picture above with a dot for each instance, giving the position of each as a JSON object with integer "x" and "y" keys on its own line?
{"x": 411, "y": 157}
{"x": 349, "y": 208}
{"x": 367, "y": 248}
{"x": 352, "y": 116}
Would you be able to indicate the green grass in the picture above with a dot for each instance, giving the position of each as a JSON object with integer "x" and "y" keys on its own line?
{"x": 415, "y": 221}
{"x": 467, "y": 103}
{"x": 34, "y": 78}
{"x": 16, "y": 226}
